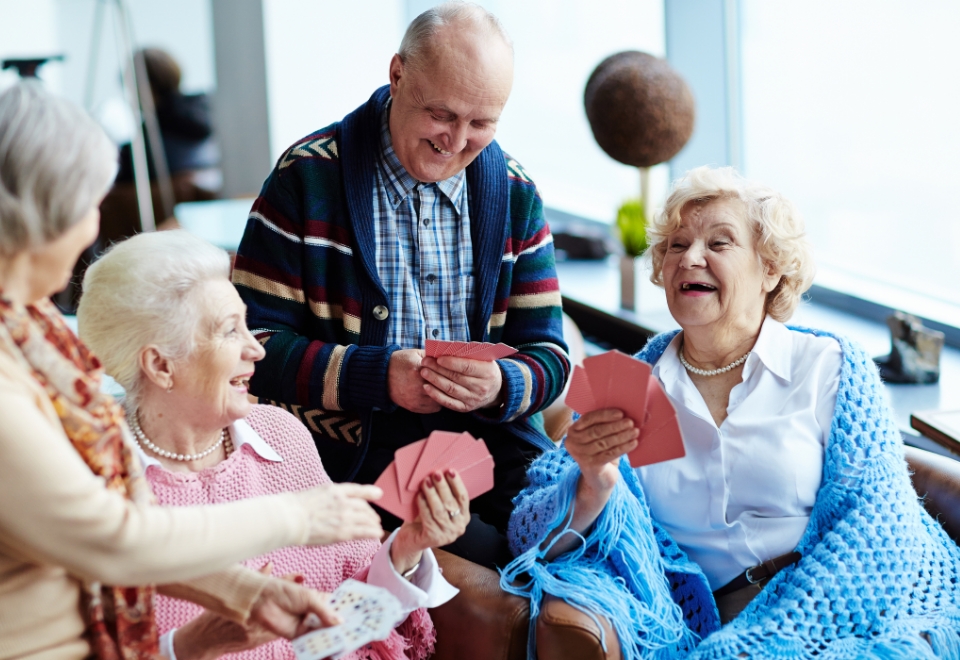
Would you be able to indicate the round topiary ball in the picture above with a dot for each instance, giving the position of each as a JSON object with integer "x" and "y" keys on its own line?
{"x": 640, "y": 109}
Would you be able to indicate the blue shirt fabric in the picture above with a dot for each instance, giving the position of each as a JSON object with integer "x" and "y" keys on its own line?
{"x": 424, "y": 252}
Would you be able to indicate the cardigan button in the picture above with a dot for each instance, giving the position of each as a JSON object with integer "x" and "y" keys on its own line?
{"x": 380, "y": 312}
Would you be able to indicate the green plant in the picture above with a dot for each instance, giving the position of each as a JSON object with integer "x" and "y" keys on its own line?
{"x": 632, "y": 226}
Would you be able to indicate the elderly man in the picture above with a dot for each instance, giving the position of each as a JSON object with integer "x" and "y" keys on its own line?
{"x": 404, "y": 222}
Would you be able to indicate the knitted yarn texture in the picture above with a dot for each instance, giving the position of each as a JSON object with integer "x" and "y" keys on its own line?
{"x": 879, "y": 578}
{"x": 245, "y": 474}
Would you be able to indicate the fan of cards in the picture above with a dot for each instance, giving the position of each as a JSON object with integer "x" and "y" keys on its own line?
{"x": 475, "y": 350}
{"x": 615, "y": 380}
{"x": 369, "y": 613}
{"x": 402, "y": 479}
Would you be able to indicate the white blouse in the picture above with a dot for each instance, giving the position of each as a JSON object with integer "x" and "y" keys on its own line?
{"x": 744, "y": 491}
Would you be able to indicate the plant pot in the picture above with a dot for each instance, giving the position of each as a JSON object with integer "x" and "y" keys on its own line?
{"x": 628, "y": 282}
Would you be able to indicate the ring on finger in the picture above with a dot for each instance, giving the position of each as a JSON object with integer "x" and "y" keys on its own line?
{"x": 454, "y": 513}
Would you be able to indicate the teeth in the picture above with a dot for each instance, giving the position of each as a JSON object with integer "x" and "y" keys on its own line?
{"x": 438, "y": 149}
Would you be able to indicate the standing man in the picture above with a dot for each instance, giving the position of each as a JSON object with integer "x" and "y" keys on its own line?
{"x": 403, "y": 222}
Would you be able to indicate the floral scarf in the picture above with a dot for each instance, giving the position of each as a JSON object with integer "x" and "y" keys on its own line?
{"x": 120, "y": 621}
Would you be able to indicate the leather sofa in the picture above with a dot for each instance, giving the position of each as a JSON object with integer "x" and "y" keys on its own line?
{"x": 484, "y": 623}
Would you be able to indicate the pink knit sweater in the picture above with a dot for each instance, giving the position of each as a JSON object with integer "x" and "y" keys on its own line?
{"x": 245, "y": 474}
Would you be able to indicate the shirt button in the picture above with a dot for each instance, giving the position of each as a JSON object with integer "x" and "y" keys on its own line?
{"x": 396, "y": 199}
{"x": 426, "y": 222}
{"x": 435, "y": 332}
{"x": 431, "y": 278}
{"x": 380, "y": 312}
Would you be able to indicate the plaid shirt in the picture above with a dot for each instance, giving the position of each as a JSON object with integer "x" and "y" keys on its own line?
{"x": 424, "y": 253}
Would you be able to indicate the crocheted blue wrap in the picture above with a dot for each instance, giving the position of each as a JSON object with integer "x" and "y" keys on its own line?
{"x": 879, "y": 578}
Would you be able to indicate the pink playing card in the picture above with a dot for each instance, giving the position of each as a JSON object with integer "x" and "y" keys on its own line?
{"x": 627, "y": 389}
{"x": 580, "y": 395}
{"x": 391, "y": 495}
{"x": 406, "y": 459}
{"x": 438, "y": 443}
{"x": 660, "y": 438}
{"x": 463, "y": 442}
{"x": 478, "y": 478}
{"x": 472, "y": 453}
{"x": 492, "y": 352}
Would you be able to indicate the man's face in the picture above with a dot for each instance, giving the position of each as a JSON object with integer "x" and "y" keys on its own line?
{"x": 445, "y": 111}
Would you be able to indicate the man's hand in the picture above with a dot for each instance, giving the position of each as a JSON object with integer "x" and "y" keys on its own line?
{"x": 405, "y": 383}
{"x": 462, "y": 384}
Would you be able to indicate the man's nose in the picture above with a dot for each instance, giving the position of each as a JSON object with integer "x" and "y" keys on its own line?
{"x": 458, "y": 137}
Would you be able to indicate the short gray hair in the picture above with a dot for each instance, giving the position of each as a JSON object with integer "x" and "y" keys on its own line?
{"x": 416, "y": 40}
{"x": 142, "y": 292}
{"x": 781, "y": 239}
{"x": 56, "y": 164}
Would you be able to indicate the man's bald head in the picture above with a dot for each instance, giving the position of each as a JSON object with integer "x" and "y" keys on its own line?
{"x": 466, "y": 18}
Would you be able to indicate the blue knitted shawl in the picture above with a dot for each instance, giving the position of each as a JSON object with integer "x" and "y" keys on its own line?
{"x": 879, "y": 578}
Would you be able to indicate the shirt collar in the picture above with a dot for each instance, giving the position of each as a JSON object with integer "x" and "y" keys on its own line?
{"x": 241, "y": 434}
{"x": 773, "y": 348}
{"x": 401, "y": 183}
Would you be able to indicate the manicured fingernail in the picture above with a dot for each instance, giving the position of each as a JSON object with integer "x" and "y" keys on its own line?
{"x": 312, "y": 621}
{"x": 451, "y": 473}
{"x": 299, "y": 579}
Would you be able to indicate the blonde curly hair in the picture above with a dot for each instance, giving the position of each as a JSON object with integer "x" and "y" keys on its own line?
{"x": 781, "y": 240}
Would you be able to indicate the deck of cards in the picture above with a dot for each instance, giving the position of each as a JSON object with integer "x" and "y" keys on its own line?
{"x": 369, "y": 613}
{"x": 402, "y": 479}
{"x": 615, "y": 380}
{"x": 475, "y": 350}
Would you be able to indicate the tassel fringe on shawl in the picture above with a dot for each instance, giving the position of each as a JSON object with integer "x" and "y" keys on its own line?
{"x": 879, "y": 578}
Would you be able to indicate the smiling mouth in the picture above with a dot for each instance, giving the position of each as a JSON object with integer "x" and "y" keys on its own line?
{"x": 243, "y": 381}
{"x": 439, "y": 150}
{"x": 697, "y": 286}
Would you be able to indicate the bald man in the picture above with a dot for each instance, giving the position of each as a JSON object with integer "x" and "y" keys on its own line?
{"x": 404, "y": 222}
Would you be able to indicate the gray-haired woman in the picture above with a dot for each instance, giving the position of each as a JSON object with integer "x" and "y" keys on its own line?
{"x": 76, "y": 512}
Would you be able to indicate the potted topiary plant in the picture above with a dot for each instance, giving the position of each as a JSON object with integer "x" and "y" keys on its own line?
{"x": 632, "y": 228}
{"x": 641, "y": 113}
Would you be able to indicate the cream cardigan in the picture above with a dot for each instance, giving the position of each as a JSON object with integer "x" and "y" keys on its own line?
{"x": 59, "y": 526}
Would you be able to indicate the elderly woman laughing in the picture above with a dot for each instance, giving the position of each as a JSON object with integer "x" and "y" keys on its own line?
{"x": 171, "y": 329}
{"x": 791, "y": 516}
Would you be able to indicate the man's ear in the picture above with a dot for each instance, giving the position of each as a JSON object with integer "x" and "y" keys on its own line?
{"x": 396, "y": 73}
{"x": 157, "y": 368}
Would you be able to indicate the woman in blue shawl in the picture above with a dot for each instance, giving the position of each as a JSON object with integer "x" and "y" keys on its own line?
{"x": 791, "y": 517}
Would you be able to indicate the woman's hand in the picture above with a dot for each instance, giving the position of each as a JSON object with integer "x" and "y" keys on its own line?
{"x": 596, "y": 442}
{"x": 286, "y": 609}
{"x": 210, "y": 636}
{"x": 444, "y": 506}
{"x": 339, "y": 512}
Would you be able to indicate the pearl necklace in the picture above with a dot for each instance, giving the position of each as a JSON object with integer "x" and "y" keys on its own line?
{"x": 711, "y": 372}
{"x": 143, "y": 440}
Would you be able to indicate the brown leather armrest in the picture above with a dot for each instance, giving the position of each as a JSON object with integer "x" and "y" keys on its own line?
{"x": 563, "y": 631}
{"x": 937, "y": 479}
{"x": 482, "y": 622}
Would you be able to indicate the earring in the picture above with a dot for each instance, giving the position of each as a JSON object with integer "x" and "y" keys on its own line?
{"x": 170, "y": 389}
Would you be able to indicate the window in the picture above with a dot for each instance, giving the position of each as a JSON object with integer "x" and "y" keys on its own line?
{"x": 849, "y": 109}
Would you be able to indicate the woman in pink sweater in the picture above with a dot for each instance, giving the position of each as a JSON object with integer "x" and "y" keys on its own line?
{"x": 160, "y": 311}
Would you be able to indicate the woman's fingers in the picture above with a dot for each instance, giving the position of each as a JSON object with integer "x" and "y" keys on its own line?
{"x": 597, "y": 417}
{"x": 459, "y": 490}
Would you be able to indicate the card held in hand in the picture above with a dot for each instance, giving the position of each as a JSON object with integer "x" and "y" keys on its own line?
{"x": 369, "y": 613}
{"x": 475, "y": 350}
{"x": 616, "y": 380}
{"x": 402, "y": 479}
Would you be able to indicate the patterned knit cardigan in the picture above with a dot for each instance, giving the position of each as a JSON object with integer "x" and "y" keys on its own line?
{"x": 245, "y": 474}
{"x": 306, "y": 268}
{"x": 879, "y": 577}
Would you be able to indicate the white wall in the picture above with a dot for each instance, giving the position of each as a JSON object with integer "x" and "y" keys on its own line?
{"x": 323, "y": 60}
